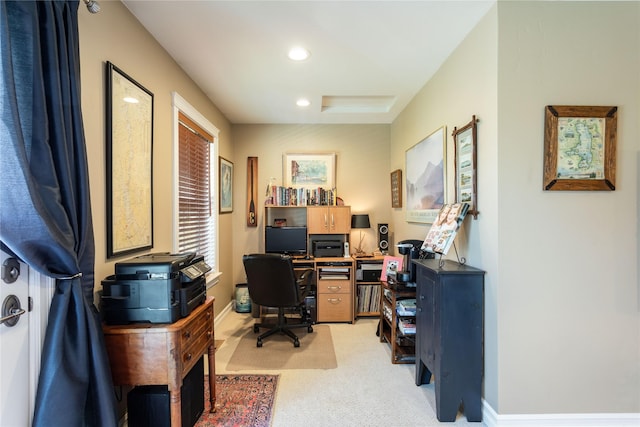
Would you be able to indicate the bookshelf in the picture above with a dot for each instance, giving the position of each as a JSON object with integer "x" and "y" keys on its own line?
{"x": 402, "y": 343}
{"x": 368, "y": 286}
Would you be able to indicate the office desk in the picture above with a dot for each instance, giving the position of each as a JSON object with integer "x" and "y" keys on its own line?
{"x": 163, "y": 354}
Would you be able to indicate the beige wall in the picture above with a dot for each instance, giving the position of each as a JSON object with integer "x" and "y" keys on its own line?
{"x": 465, "y": 85}
{"x": 362, "y": 173}
{"x": 568, "y": 274}
{"x": 561, "y": 292}
{"x": 115, "y": 35}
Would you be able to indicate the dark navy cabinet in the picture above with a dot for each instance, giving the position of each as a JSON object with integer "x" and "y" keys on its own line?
{"x": 449, "y": 335}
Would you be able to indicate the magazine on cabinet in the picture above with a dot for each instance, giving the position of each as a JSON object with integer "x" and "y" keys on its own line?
{"x": 443, "y": 230}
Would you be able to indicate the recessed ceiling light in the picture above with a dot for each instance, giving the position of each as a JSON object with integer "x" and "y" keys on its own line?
{"x": 303, "y": 102}
{"x": 298, "y": 54}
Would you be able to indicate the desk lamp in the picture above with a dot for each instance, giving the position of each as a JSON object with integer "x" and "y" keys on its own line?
{"x": 360, "y": 221}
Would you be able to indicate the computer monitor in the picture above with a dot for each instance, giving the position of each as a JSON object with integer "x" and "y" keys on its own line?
{"x": 286, "y": 240}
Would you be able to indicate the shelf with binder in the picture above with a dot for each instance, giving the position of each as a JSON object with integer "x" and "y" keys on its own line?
{"x": 397, "y": 321}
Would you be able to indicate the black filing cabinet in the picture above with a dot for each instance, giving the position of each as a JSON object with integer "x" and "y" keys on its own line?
{"x": 449, "y": 335}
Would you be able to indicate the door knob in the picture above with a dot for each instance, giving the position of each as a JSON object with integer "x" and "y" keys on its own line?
{"x": 11, "y": 311}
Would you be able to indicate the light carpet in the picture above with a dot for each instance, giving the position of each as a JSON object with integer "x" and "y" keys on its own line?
{"x": 277, "y": 352}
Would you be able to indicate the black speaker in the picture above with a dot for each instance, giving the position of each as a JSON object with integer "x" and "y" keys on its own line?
{"x": 383, "y": 237}
{"x": 148, "y": 406}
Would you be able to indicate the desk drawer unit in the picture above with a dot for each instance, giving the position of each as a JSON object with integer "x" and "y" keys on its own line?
{"x": 335, "y": 301}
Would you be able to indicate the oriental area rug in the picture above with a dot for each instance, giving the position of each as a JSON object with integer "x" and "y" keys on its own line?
{"x": 241, "y": 400}
{"x": 277, "y": 352}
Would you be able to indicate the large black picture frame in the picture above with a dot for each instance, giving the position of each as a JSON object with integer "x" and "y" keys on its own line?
{"x": 129, "y": 164}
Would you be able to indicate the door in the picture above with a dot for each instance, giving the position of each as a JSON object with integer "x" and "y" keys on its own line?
{"x": 14, "y": 344}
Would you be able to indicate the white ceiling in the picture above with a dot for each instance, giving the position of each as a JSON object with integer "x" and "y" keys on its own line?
{"x": 236, "y": 52}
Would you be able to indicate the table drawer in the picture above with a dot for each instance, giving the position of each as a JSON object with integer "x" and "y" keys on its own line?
{"x": 334, "y": 308}
{"x": 195, "y": 327}
{"x": 334, "y": 286}
{"x": 195, "y": 338}
{"x": 198, "y": 346}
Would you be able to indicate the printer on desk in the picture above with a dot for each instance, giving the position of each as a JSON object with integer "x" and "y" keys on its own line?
{"x": 327, "y": 248}
{"x": 154, "y": 288}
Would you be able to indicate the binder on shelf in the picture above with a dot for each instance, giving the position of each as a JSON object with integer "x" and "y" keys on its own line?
{"x": 407, "y": 326}
{"x": 406, "y": 307}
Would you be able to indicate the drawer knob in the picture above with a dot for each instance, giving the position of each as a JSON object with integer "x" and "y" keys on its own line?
{"x": 209, "y": 334}
{"x": 334, "y": 300}
{"x": 334, "y": 287}
{"x": 187, "y": 334}
{"x": 189, "y": 356}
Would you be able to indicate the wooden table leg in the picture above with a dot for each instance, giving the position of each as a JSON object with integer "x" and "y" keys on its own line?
{"x": 212, "y": 377}
{"x": 176, "y": 408}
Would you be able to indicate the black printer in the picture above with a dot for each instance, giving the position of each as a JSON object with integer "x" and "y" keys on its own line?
{"x": 154, "y": 288}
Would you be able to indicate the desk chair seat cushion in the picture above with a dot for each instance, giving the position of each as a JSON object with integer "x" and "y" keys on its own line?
{"x": 272, "y": 283}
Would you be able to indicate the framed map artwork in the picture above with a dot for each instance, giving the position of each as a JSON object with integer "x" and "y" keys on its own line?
{"x": 580, "y": 148}
{"x": 129, "y": 125}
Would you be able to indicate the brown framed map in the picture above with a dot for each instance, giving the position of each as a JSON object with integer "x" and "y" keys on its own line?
{"x": 580, "y": 148}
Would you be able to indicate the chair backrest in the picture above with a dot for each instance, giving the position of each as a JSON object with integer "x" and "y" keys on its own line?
{"x": 271, "y": 280}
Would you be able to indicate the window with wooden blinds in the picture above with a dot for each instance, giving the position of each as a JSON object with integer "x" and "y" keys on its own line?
{"x": 195, "y": 188}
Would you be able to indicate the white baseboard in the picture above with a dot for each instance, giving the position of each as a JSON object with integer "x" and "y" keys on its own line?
{"x": 223, "y": 313}
{"x": 492, "y": 419}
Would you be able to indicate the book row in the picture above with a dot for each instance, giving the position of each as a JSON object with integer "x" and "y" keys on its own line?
{"x": 289, "y": 196}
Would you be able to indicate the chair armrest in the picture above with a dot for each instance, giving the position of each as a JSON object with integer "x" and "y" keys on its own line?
{"x": 305, "y": 278}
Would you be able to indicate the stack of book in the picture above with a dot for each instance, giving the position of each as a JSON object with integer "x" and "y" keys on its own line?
{"x": 406, "y": 307}
{"x": 407, "y": 325}
{"x": 387, "y": 313}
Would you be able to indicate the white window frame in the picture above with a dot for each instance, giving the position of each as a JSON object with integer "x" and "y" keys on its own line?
{"x": 181, "y": 105}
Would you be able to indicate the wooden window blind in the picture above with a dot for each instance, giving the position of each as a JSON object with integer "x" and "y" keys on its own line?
{"x": 195, "y": 212}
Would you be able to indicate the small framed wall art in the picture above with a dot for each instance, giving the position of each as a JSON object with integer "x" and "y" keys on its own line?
{"x": 580, "y": 148}
{"x": 226, "y": 185}
{"x": 309, "y": 170}
{"x": 464, "y": 141}
{"x": 396, "y": 188}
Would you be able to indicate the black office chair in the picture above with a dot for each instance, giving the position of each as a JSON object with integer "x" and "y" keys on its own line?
{"x": 273, "y": 283}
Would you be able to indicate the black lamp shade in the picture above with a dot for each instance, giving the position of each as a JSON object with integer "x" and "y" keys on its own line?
{"x": 360, "y": 221}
